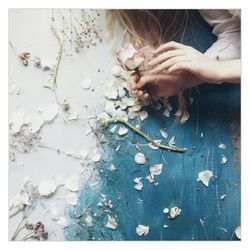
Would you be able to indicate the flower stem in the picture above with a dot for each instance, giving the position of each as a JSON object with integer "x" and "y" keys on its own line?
{"x": 138, "y": 131}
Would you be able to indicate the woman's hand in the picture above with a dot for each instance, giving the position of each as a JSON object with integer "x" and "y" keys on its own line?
{"x": 176, "y": 57}
{"x": 163, "y": 84}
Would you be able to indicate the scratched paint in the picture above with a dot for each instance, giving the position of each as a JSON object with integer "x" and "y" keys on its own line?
{"x": 204, "y": 215}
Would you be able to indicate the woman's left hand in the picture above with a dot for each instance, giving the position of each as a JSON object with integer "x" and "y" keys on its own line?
{"x": 173, "y": 57}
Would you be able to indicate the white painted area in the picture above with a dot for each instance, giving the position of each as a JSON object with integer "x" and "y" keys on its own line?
{"x": 30, "y": 31}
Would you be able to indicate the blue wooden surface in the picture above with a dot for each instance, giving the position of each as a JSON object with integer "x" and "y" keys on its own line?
{"x": 215, "y": 113}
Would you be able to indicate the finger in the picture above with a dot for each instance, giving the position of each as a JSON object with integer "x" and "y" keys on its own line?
{"x": 165, "y": 56}
{"x": 169, "y": 46}
{"x": 167, "y": 64}
{"x": 144, "y": 80}
{"x": 145, "y": 96}
{"x": 140, "y": 93}
{"x": 180, "y": 66}
{"x": 133, "y": 86}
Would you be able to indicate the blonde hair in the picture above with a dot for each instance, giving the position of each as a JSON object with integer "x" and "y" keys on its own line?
{"x": 150, "y": 27}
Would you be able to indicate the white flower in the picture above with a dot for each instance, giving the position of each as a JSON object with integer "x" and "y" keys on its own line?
{"x": 129, "y": 58}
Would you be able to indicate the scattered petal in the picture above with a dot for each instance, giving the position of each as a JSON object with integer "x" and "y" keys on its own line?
{"x": 223, "y": 197}
{"x": 151, "y": 145}
{"x": 185, "y": 117}
{"x": 47, "y": 188}
{"x": 49, "y": 112}
{"x": 142, "y": 230}
{"x": 174, "y": 212}
{"x": 172, "y": 141}
{"x": 143, "y": 115}
{"x": 71, "y": 199}
{"x": 72, "y": 183}
{"x": 112, "y": 130}
{"x": 122, "y": 131}
{"x": 140, "y": 158}
{"x": 222, "y": 146}
{"x": 238, "y": 232}
{"x": 112, "y": 224}
{"x": 205, "y": 176}
{"x": 62, "y": 221}
{"x": 112, "y": 168}
{"x": 164, "y": 134}
{"x": 223, "y": 160}
{"x": 166, "y": 210}
{"x": 156, "y": 169}
{"x": 150, "y": 178}
{"x": 111, "y": 93}
{"x": 116, "y": 70}
{"x": 138, "y": 184}
{"x": 166, "y": 113}
{"x": 96, "y": 156}
{"x": 89, "y": 221}
{"x": 86, "y": 83}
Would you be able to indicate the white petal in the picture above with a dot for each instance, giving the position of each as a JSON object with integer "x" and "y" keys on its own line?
{"x": 150, "y": 178}
{"x": 174, "y": 212}
{"x": 156, "y": 169}
{"x": 142, "y": 230}
{"x": 89, "y": 221}
{"x": 138, "y": 185}
{"x": 96, "y": 156}
{"x": 84, "y": 154}
{"x": 222, "y": 146}
{"x": 223, "y": 197}
{"x": 169, "y": 106}
{"x": 111, "y": 93}
{"x": 165, "y": 210}
{"x": 185, "y": 117}
{"x": 72, "y": 114}
{"x": 103, "y": 116}
{"x": 72, "y": 183}
{"x": 71, "y": 199}
{"x": 62, "y": 221}
{"x": 122, "y": 131}
{"x": 205, "y": 176}
{"x": 166, "y": 113}
{"x": 112, "y": 168}
{"x": 238, "y": 232}
{"x": 17, "y": 120}
{"x": 143, "y": 115}
{"x": 34, "y": 122}
{"x": 49, "y": 112}
{"x": 86, "y": 83}
{"x": 151, "y": 145}
{"x": 111, "y": 223}
{"x": 54, "y": 211}
{"x": 47, "y": 188}
{"x": 112, "y": 130}
{"x": 178, "y": 112}
{"x": 172, "y": 141}
{"x": 140, "y": 158}
{"x": 116, "y": 70}
{"x": 223, "y": 160}
{"x": 164, "y": 134}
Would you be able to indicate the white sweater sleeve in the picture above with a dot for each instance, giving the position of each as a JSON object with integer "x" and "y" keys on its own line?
{"x": 226, "y": 26}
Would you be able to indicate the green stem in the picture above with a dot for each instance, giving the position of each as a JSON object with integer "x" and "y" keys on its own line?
{"x": 54, "y": 85}
{"x": 26, "y": 237}
{"x": 138, "y": 131}
{"x": 19, "y": 228}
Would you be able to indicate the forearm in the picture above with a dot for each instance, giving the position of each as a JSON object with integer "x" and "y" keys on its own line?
{"x": 229, "y": 71}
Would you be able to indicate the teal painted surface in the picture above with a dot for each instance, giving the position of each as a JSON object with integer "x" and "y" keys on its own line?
{"x": 215, "y": 113}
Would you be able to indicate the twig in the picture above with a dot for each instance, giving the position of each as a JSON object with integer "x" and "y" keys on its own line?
{"x": 138, "y": 131}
